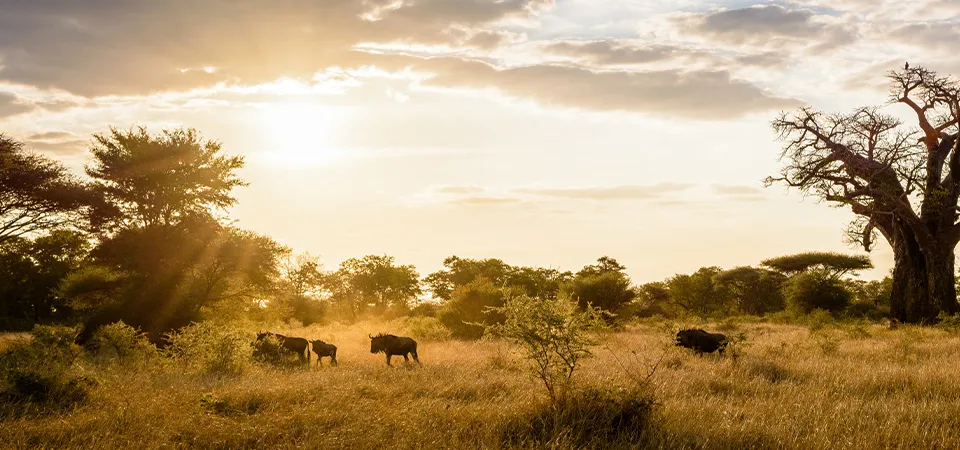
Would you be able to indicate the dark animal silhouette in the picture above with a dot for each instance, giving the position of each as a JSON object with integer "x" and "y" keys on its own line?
{"x": 297, "y": 345}
{"x": 394, "y": 345}
{"x": 702, "y": 341}
{"x": 322, "y": 349}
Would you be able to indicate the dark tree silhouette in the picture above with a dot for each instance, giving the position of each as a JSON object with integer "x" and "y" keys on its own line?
{"x": 160, "y": 180}
{"x": 900, "y": 181}
{"x": 835, "y": 264}
{"x": 36, "y": 193}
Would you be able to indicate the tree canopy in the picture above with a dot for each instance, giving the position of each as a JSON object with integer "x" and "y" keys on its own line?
{"x": 902, "y": 182}
{"x": 36, "y": 193}
{"x": 836, "y": 264}
{"x": 163, "y": 179}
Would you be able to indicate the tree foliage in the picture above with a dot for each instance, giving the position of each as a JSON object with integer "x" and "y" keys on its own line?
{"x": 160, "y": 180}
{"x": 698, "y": 293}
{"x": 37, "y": 194}
{"x": 31, "y": 272}
{"x": 901, "y": 182}
{"x": 837, "y": 264}
{"x": 379, "y": 282}
{"x": 472, "y": 308}
{"x": 553, "y": 334}
{"x": 604, "y": 285}
{"x": 753, "y": 290}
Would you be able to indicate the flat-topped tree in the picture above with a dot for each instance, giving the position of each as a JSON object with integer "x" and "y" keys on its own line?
{"x": 901, "y": 181}
{"x": 835, "y": 264}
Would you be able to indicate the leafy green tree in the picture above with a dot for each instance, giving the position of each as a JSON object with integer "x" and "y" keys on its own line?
{"x": 553, "y": 334}
{"x": 162, "y": 227}
{"x": 653, "y": 299}
{"x": 901, "y": 181}
{"x": 459, "y": 271}
{"x": 31, "y": 272}
{"x": 836, "y": 265}
{"x": 604, "y": 285}
{"x": 160, "y": 180}
{"x": 471, "y": 309}
{"x": 380, "y": 283}
{"x": 754, "y": 291}
{"x": 698, "y": 293}
{"x": 816, "y": 289}
{"x": 37, "y": 194}
{"x": 302, "y": 281}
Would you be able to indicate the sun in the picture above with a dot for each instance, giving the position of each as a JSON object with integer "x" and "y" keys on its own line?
{"x": 299, "y": 134}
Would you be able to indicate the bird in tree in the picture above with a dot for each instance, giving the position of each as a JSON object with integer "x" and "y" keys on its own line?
{"x": 901, "y": 180}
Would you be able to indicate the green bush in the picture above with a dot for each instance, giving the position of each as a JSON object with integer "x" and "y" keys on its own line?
{"x": 816, "y": 290}
{"x": 427, "y": 329}
{"x": 819, "y": 319}
{"x": 40, "y": 371}
{"x": 121, "y": 343}
{"x": 468, "y": 311}
{"x": 212, "y": 349}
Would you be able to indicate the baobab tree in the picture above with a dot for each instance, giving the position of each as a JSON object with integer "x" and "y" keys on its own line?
{"x": 901, "y": 180}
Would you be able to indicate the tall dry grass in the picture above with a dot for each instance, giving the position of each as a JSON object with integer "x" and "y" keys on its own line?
{"x": 844, "y": 386}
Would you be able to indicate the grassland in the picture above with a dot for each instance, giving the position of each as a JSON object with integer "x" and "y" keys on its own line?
{"x": 841, "y": 386}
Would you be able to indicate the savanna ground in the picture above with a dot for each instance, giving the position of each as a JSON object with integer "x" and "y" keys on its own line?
{"x": 819, "y": 386}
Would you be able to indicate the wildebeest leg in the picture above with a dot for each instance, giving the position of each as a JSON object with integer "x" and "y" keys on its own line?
{"x": 388, "y": 359}
{"x": 406, "y": 359}
{"x": 333, "y": 359}
{"x": 415, "y": 358}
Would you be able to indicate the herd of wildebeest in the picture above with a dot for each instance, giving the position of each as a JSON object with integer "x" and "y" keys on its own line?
{"x": 272, "y": 345}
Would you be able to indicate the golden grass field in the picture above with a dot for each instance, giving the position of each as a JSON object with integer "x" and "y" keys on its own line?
{"x": 845, "y": 386}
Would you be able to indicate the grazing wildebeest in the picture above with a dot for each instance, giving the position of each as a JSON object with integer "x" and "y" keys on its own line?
{"x": 324, "y": 349}
{"x": 394, "y": 345}
{"x": 297, "y": 345}
{"x": 702, "y": 341}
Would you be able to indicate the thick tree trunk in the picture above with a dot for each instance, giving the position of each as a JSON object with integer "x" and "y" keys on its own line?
{"x": 923, "y": 282}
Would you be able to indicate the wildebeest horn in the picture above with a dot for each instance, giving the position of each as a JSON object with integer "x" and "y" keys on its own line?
{"x": 370, "y": 336}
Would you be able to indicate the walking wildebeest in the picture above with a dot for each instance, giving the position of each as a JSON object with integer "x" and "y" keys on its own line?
{"x": 702, "y": 341}
{"x": 297, "y": 345}
{"x": 324, "y": 349}
{"x": 394, "y": 345}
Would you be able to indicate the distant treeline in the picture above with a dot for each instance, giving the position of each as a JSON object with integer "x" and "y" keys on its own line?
{"x": 144, "y": 238}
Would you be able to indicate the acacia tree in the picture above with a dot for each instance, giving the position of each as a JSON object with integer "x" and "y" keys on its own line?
{"x": 901, "y": 182}
{"x": 36, "y": 193}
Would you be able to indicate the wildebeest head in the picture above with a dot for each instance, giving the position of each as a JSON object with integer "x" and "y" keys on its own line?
{"x": 378, "y": 343}
{"x": 701, "y": 341}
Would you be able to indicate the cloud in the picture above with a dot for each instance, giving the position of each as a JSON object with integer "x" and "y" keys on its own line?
{"x": 614, "y": 52}
{"x": 739, "y": 193}
{"x": 702, "y": 94}
{"x": 483, "y": 201}
{"x": 11, "y": 105}
{"x": 769, "y": 26}
{"x": 935, "y": 35}
{"x": 628, "y": 192}
{"x": 118, "y": 47}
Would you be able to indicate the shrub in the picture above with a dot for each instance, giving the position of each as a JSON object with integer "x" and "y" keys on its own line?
{"x": 816, "y": 290}
{"x": 428, "y": 329}
{"x": 593, "y": 417}
{"x": 122, "y": 343}
{"x": 213, "y": 349}
{"x": 819, "y": 319}
{"x": 425, "y": 309}
{"x": 471, "y": 308}
{"x": 553, "y": 335}
{"x": 41, "y": 370}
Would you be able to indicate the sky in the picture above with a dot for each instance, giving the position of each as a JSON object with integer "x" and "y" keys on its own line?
{"x": 541, "y": 132}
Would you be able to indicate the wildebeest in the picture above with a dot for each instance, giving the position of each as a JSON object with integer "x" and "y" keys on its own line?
{"x": 394, "y": 345}
{"x": 297, "y": 345}
{"x": 702, "y": 341}
{"x": 324, "y": 349}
